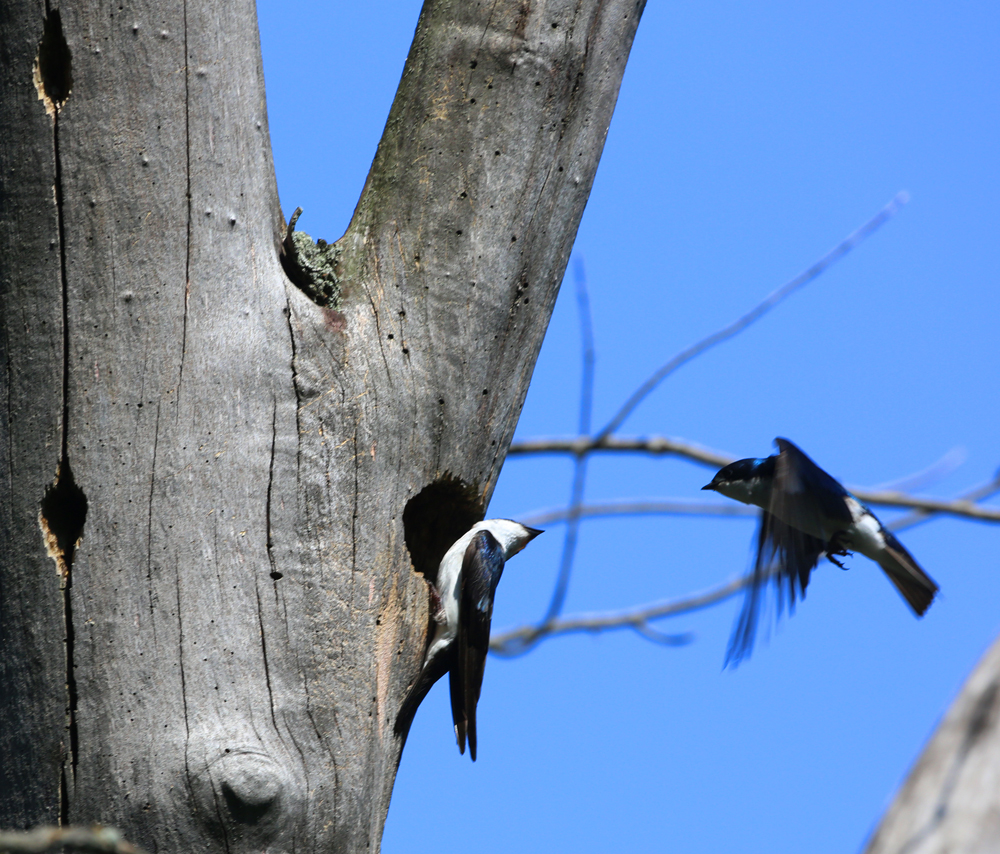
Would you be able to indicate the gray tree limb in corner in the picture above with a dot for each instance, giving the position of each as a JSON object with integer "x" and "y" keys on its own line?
{"x": 215, "y": 489}
{"x": 949, "y": 800}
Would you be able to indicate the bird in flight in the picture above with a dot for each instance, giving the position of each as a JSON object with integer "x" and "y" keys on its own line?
{"x": 808, "y": 514}
{"x": 464, "y": 590}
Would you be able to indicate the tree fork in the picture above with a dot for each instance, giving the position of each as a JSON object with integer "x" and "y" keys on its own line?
{"x": 258, "y": 475}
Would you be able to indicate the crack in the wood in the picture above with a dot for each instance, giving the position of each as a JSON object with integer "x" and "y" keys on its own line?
{"x": 149, "y": 521}
{"x": 269, "y": 543}
{"x": 180, "y": 658}
{"x": 64, "y": 506}
{"x": 72, "y": 695}
{"x": 218, "y": 812}
{"x": 10, "y": 432}
{"x": 298, "y": 396}
{"x": 378, "y": 328}
{"x": 354, "y": 511}
{"x": 187, "y": 247}
{"x": 267, "y": 668}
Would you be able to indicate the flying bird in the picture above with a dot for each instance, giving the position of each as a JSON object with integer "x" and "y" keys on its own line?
{"x": 465, "y": 587}
{"x": 808, "y": 514}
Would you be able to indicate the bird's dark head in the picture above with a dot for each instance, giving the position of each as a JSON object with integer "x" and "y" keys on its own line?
{"x": 744, "y": 480}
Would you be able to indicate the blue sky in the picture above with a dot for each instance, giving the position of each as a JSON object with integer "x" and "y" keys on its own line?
{"x": 747, "y": 141}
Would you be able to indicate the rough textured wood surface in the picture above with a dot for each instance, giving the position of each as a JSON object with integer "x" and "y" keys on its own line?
{"x": 33, "y": 700}
{"x": 950, "y": 803}
{"x": 218, "y": 662}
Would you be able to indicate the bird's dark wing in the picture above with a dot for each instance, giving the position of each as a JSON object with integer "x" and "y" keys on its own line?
{"x": 786, "y": 556}
{"x": 803, "y": 495}
{"x": 481, "y": 571}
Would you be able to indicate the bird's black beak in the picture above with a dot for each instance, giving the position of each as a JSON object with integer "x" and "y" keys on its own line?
{"x": 532, "y": 533}
{"x": 709, "y": 486}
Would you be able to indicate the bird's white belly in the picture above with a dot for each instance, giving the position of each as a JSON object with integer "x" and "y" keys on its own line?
{"x": 865, "y": 535}
{"x": 447, "y": 586}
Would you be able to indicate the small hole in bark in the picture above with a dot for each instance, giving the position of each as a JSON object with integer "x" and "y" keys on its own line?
{"x": 435, "y": 517}
{"x": 52, "y": 72}
{"x": 62, "y": 513}
{"x": 275, "y": 576}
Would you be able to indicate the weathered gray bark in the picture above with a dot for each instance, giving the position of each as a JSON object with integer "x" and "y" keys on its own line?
{"x": 217, "y": 662}
{"x": 951, "y": 800}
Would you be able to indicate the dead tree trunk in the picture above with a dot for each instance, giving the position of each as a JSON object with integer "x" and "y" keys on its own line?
{"x": 950, "y": 802}
{"x": 214, "y": 490}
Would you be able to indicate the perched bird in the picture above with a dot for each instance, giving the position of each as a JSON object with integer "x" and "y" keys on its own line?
{"x": 808, "y": 514}
{"x": 465, "y": 586}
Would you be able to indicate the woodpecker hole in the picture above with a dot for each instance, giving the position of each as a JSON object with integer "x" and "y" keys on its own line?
{"x": 435, "y": 517}
{"x": 52, "y": 72}
{"x": 61, "y": 516}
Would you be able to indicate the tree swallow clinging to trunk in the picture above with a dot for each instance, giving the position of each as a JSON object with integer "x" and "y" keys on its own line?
{"x": 465, "y": 586}
{"x": 806, "y": 514}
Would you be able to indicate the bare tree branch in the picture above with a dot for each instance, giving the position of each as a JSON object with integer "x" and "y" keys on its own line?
{"x": 927, "y": 507}
{"x": 657, "y": 445}
{"x": 634, "y": 618}
{"x": 758, "y": 311}
{"x": 638, "y": 507}
{"x": 960, "y": 507}
{"x": 978, "y": 493}
{"x": 935, "y": 472}
{"x": 105, "y": 840}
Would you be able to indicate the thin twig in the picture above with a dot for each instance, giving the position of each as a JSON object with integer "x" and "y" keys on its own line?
{"x": 961, "y": 507}
{"x": 647, "y": 507}
{"x": 978, "y": 493}
{"x": 831, "y": 257}
{"x": 600, "y": 622}
{"x": 657, "y": 445}
{"x": 104, "y": 840}
{"x": 935, "y": 472}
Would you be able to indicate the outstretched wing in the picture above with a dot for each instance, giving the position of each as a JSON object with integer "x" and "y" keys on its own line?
{"x": 481, "y": 571}
{"x": 806, "y": 505}
{"x": 786, "y": 556}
